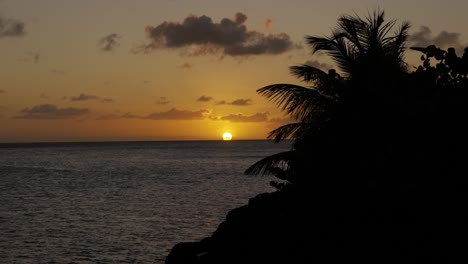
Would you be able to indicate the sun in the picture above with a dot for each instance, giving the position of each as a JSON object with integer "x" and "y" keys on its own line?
{"x": 227, "y": 136}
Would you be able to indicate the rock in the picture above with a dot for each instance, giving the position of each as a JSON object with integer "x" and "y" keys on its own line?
{"x": 285, "y": 227}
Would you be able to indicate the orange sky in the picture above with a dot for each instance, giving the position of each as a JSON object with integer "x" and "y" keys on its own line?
{"x": 171, "y": 70}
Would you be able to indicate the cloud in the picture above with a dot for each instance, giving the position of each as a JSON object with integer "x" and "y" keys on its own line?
{"x": 49, "y": 111}
{"x": 282, "y": 120}
{"x": 185, "y": 66}
{"x": 423, "y": 38}
{"x": 237, "y": 102}
{"x": 319, "y": 65}
{"x": 200, "y": 36}
{"x": 11, "y": 28}
{"x": 162, "y": 100}
{"x": 130, "y": 115}
{"x": 2, "y": 91}
{"x": 204, "y": 98}
{"x": 172, "y": 114}
{"x": 175, "y": 114}
{"x": 87, "y": 97}
{"x": 109, "y": 42}
{"x": 241, "y": 102}
{"x": 258, "y": 117}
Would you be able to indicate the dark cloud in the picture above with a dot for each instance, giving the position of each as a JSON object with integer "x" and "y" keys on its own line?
{"x": 185, "y": 66}
{"x": 241, "y": 102}
{"x": 319, "y": 65}
{"x": 172, "y": 114}
{"x": 2, "y": 91}
{"x": 204, "y": 98}
{"x": 11, "y": 28}
{"x": 109, "y": 42}
{"x": 49, "y": 111}
{"x": 258, "y": 117}
{"x": 203, "y": 36}
{"x": 424, "y": 37}
{"x": 130, "y": 115}
{"x": 162, "y": 100}
{"x": 175, "y": 114}
{"x": 237, "y": 102}
{"x": 87, "y": 97}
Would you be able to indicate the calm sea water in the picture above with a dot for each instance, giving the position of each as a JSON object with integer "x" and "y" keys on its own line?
{"x": 120, "y": 202}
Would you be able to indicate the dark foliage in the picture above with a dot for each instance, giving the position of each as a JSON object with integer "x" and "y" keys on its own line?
{"x": 376, "y": 173}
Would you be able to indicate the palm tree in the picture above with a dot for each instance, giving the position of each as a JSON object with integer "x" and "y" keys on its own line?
{"x": 370, "y": 61}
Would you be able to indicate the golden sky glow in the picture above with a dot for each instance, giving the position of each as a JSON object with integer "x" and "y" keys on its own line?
{"x": 112, "y": 70}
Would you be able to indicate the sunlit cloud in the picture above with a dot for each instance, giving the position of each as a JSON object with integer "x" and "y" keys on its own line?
{"x": 163, "y": 100}
{"x": 87, "y": 97}
{"x": 11, "y": 28}
{"x": 258, "y": 117}
{"x": 204, "y": 98}
{"x": 50, "y": 111}
{"x": 200, "y": 36}
{"x": 109, "y": 42}
{"x": 424, "y": 37}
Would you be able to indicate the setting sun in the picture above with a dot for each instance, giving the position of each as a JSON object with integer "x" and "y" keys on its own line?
{"x": 227, "y": 136}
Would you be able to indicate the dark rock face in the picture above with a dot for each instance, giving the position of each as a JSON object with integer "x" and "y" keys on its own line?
{"x": 295, "y": 227}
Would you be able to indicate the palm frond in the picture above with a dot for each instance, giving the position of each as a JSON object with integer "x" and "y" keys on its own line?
{"x": 353, "y": 29}
{"x": 293, "y": 130}
{"x": 271, "y": 164}
{"x": 337, "y": 48}
{"x": 397, "y": 46}
{"x": 295, "y": 100}
{"x": 308, "y": 73}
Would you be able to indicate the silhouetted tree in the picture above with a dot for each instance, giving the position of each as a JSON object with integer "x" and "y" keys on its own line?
{"x": 335, "y": 111}
{"x": 377, "y": 166}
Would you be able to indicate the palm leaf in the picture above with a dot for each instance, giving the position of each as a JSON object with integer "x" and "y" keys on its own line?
{"x": 308, "y": 73}
{"x": 337, "y": 48}
{"x": 293, "y": 130}
{"x": 297, "y": 101}
{"x": 271, "y": 164}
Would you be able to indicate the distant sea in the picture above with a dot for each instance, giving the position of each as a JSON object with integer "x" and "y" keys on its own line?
{"x": 120, "y": 202}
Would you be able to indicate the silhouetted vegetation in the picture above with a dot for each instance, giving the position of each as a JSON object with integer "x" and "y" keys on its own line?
{"x": 373, "y": 117}
{"x": 336, "y": 112}
{"x": 376, "y": 171}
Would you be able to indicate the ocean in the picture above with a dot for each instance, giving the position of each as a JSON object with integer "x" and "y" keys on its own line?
{"x": 120, "y": 202}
